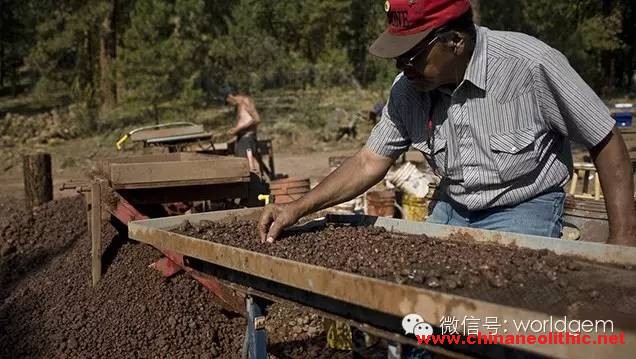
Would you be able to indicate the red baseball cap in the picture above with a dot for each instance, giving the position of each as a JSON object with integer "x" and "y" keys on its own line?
{"x": 410, "y": 21}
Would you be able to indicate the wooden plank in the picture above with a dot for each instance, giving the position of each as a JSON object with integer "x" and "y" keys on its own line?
{"x": 174, "y": 157}
{"x": 198, "y": 171}
{"x": 168, "y": 194}
{"x": 166, "y": 184}
{"x": 573, "y": 182}
{"x": 198, "y": 138}
{"x": 96, "y": 231}
{"x": 88, "y": 199}
{"x": 387, "y": 297}
{"x": 602, "y": 253}
{"x": 166, "y": 132}
{"x": 103, "y": 165}
{"x": 161, "y": 157}
{"x": 597, "y": 187}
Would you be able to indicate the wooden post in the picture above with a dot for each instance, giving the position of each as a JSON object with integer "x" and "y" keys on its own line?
{"x": 597, "y": 187}
{"x": 88, "y": 199}
{"x": 575, "y": 178}
{"x": 96, "y": 231}
{"x": 38, "y": 183}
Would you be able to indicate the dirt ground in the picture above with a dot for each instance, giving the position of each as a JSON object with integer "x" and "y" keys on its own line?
{"x": 49, "y": 309}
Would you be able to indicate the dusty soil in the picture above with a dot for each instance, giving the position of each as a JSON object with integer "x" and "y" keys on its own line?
{"x": 49, "y": 309}
{"x": 537, "y": 280}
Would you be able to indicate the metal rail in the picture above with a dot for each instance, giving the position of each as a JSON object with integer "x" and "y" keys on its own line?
{"x": 374, "y": 302}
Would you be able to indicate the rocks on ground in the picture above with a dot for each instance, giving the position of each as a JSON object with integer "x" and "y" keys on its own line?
{"x": 49, "y": 309}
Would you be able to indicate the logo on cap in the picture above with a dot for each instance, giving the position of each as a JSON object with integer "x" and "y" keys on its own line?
{"x": 411, "y": 2}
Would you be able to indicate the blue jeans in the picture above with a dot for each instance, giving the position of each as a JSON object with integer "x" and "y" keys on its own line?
{"x": 539, "y": 216}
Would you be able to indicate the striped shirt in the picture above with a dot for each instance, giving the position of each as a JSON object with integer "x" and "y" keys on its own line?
{"x": 502, "y": 136}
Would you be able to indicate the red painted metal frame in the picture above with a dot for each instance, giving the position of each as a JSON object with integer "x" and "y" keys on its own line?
{"x": 173, "y": 262}
{"x": 167, "y": 267}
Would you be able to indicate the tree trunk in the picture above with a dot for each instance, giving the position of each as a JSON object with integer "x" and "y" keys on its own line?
{"x": 607, "y": 57}
{"x": 155, "y": 111}
{"x": 38, "y": 183}
{"x": 476, "y": 12}
{"x": 14, "y": 80}
{"x": 88, "y": 75}
{"x": 107, "y": 55}
{"x": 1, "y": 63}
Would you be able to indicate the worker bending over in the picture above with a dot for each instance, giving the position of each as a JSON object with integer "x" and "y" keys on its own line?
{"x": 493, "y": 113}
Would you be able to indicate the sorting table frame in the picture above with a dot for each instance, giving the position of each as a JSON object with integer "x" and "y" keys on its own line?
{"x": 372, "y": 304}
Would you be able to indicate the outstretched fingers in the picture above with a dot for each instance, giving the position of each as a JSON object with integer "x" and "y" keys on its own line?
{"x": 267, "y": 219}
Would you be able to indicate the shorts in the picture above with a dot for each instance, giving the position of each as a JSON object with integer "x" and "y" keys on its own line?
{"x": 244, "y": 143}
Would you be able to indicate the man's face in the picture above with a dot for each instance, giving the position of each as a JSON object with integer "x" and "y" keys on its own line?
{"x": 428, "y": 65}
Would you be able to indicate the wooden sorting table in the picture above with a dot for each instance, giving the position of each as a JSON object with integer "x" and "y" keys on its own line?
{"x": 371, "y": 304}
{"x": 137, "y": 187}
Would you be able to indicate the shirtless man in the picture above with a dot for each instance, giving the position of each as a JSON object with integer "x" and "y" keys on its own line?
{"x": 247, "y": 120}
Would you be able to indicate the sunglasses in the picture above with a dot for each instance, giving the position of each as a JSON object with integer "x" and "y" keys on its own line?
{"x": 404, "y": 63}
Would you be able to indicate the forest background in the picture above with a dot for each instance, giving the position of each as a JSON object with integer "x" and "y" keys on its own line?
{"x": 98, "y": 68}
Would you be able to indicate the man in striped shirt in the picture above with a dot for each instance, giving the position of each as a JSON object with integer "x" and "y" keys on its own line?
{"x": 493, "y": 113}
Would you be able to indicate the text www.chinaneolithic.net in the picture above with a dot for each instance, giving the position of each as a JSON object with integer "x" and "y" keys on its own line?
{"x": 513, "y": 339}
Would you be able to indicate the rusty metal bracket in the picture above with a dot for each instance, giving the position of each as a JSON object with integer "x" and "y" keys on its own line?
{"x": 78, "y": 186}
{"x": 167, "y": 267}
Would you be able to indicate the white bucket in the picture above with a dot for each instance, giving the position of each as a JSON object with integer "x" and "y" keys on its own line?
{"x": 410, "y": 180}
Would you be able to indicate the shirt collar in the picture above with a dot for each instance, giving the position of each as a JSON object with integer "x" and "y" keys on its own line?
{"x": 476, "y": 70}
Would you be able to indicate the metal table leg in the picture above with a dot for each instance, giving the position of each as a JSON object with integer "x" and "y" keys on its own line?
{"x": 256, "y": 334}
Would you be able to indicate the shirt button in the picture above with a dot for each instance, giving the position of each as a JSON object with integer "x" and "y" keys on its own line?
{"x": 513, "y": 148}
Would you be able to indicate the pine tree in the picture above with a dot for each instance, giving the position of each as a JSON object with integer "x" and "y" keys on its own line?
{"x": 164, "y": 51}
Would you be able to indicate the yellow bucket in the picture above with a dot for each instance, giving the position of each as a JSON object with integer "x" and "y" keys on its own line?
{"x": 338, "y": 334}
{"x": 415, "y": 208}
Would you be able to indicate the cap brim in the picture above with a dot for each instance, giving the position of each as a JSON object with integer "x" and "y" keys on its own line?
{"x": 389, "y": 45}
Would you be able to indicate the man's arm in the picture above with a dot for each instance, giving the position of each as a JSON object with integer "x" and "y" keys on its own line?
{"x": 353, "y": 177}
{"x": 251, "y": 109}
{"x": 239, "y": 127}
{"x": 583, "y": 117}
{"x": 614, "y": 169}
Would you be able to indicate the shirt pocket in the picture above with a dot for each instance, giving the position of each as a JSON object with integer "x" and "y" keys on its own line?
{"x": 514, "y": 153}
{"x": 440, "y": 157}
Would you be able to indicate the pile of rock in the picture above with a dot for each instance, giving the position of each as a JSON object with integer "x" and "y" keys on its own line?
{"x": 43, "y": 128}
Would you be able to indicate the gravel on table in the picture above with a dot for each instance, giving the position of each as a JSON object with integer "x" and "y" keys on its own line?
{"x": 537, "y": 280}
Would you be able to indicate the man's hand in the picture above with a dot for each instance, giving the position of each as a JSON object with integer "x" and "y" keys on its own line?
{"x": 231, "y": 132}
{"x": 275, "y": 218}
{"x": 357, "y": 174}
